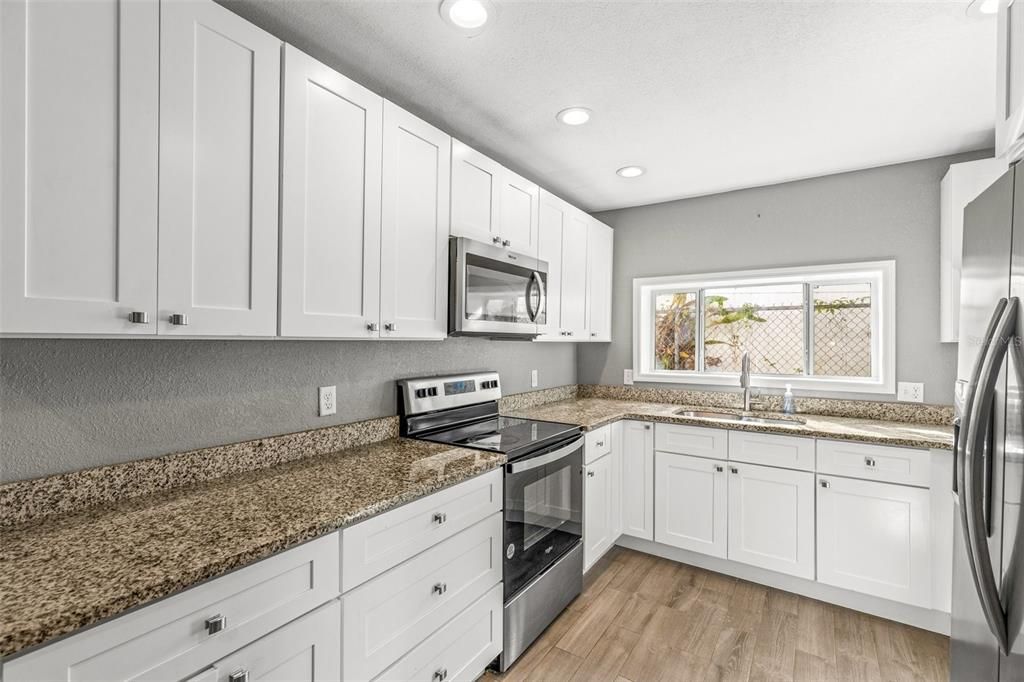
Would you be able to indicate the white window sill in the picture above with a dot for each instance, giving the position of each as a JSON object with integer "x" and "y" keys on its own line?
{"x": 833, "y": 385}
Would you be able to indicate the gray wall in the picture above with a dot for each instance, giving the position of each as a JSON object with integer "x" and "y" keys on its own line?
{"x": 71, "y": 404}
{"x": 888, "y": 212}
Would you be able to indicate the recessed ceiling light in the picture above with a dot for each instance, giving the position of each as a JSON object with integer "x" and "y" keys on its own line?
{"x": 465, "y": 14}
{"x": 574, "y": 116}
{"x": 631, "y": 171}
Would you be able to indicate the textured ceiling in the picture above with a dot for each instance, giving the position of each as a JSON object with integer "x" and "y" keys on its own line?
{"x": 708, "y": 96}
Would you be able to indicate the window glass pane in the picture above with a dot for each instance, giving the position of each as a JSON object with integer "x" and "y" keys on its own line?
{"x": 675, "y": 330}
{"x": 842, "y": 330}
{"x": 766, "y": 321}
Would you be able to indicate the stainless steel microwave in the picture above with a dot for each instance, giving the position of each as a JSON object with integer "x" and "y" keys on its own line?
{"x": 495, "y": 292}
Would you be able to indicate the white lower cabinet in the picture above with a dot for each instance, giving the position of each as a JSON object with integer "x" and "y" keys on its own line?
{"x": 771, "y": 518}
{"x": 597, "y": 501}
{"x": 875, "y": 538}
{"x": 637, "y": 480}
{"x": 692, "y": 506}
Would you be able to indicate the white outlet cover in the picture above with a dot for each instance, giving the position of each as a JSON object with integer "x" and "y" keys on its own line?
{"x": 328, "y": 400}
{"x": 533, "y": 378}
{"x": 627, "y": 377}
{"x": 910, "y": 392}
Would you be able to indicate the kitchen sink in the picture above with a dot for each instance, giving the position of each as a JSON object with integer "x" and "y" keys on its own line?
{"x": 742, "y": 418}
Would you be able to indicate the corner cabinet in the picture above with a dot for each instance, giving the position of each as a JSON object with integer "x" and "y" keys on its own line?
{"x": 599, "y": 281}
{"x": 220, "y": 90}
{"x": 565, "y": 233}
{"x": 78, "y": 243}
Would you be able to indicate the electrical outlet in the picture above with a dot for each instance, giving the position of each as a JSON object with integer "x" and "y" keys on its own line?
{"x": 627, "y": 377}
{"x": 533, "y": 378}
{"x": 328, "y": 400}
{"x": 910, "y": 392}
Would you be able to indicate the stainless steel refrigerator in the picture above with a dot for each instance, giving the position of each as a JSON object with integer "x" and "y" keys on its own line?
{"x": 988, "y": 554}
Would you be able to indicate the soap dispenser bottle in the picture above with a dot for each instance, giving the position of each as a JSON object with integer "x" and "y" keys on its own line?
{"x": 788, "y": 402}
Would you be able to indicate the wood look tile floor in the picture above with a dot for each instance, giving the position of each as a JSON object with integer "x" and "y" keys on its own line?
{"x": 646, "y": 619}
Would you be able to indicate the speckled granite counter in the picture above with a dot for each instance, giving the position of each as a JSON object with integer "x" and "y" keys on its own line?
{"x": 591, "y": 413}
{"x": 62, "y": 573}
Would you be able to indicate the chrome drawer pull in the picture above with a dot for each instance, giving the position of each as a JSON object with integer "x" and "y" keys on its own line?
{"x": 215, "y": 624}
{"x": 440, "y": 518}
{"x": 599, "y": 443}
{"x": 440, "y": 588}
{"x": 138, "y": 318}
{"x": 239, "y": 676}
{"x": 178, "y": 320}
{"x": 441, "y": 675}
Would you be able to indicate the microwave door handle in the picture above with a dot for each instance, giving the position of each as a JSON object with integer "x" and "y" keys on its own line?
{"x": 536, "y": 281}
{"x": 538, "y": 461}
{"x": 972, "y": 510}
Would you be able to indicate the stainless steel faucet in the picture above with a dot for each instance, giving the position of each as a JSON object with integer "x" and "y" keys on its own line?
{"x": 745, "y": 380}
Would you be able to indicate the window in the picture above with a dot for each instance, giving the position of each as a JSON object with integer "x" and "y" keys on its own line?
{"x": 829, "y": 327}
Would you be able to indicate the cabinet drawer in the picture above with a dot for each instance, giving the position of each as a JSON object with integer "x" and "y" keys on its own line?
{"x": 458, "y": 651}
{"x": 375, "y": 545}
{"x": 698, "y": 441}
{"x": 875, "y": 462}
{"x": 790, "y": 452}
{"x": 391, "y": 614}
{"x": 598, "y": 443}
{"x": 171, "y": 636}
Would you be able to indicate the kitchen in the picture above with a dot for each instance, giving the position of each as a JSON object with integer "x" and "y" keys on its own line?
{"x": 326, "y": 353}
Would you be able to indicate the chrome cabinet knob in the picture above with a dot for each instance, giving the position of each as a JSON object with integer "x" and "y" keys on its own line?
{"x": 239, "y": 676}
{"x": 647, "y": 427}
{"x": 719, "y": 468}
{"x": 440, "y": 517}
{"x": 390, "y": 327}
{"x": 440, "y": 588}
{"x": 178, "y": 319}
{"x": 215, "y": 624}
{"x": 870, "y": 461}
{"x": 599, "y": 443}
{"x": 440, "y": 675}
{"x": 372, "y": 327}
{"x": 506, "y": 242}
{"x": 734, "y": 470}
{"x": 824, "y": 484}
{"x": 496, "y": 240}
{"x": 590, "y": 474}
{"x": 592, "y": 334}
{"x": 138, "y": 317}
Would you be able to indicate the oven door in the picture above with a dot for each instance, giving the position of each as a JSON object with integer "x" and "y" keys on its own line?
{"x": 543, "y": 511}
{"x": 494, "y": 291}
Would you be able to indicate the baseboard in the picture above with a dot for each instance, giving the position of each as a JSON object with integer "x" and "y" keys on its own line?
{"x": 927, "y": 619}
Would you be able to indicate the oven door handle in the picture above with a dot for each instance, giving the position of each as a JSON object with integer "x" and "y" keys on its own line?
{"x": 538, "y": 461}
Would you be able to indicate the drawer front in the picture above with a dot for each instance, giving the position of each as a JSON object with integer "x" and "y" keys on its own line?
{"x": 389, "y": 615}
{"x": 598, "y": 443}
{"x": 458, "y": 651}
{"x": 790, "y": 452}
{"x": 172, "y": 636}
{"x": 373, "y": 546}
{"x": 875, "y": 462}
{"x": 698, "y": 441}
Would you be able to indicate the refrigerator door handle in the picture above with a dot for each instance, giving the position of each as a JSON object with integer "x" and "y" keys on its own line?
{"x": 972, "y": 512}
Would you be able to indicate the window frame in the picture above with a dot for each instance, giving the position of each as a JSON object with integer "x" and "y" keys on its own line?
{"x": 881, "y": 275}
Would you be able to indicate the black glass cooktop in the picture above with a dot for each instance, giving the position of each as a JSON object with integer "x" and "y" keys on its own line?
{"x": 512, "y": 436}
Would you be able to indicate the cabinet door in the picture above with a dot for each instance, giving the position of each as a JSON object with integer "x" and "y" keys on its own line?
{"x": 691, "y": 503}
{"x": 476, "y": 194}
{"x": 519, "y": 203}
{"x": 599, "y": 281}
{"x": 331, "y": 203}
{"x": 597, "y": 520}
{"x": 1010, "y": 81}
{"x": 875, "y": 538}
{"x": 638, "y": 479}
{"x": 553, "y": 216}
{"x": 79, "y": 166}
{"x": 220, "y": 101}
{"x": 616, "y": 505}
{"x": 574, "y": 275}
{"x": 771, "y": 518}
{"x": 414, "y": 228}
{"x": 305, "y": 650}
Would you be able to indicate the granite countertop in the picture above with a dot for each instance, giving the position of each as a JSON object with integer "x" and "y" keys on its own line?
{"x": 591, "y": 413}
{"x": 63, "y": 573}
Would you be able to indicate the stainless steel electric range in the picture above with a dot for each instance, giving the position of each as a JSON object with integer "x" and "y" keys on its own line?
{"x": 543, "y": 569}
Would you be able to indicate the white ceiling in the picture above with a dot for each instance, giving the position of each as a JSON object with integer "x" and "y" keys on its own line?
{"x": 708, "y": 96}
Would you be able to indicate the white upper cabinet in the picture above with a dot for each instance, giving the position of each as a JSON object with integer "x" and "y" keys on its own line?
{"x": 79, "y": 166}
{"x": 520, "y": 201}
{"x": 771, "y": 518}
{"x": 475, "y": 194}
{"x": 1010, "y": 81}
{"x": 220, "y": 80}
{"x": 599, "y": 281}
{"x": 414, "y": 227}
{"x": 331, "y": 204}
{"x": 574, "y": 311}
{"x": 554, "y": 213}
